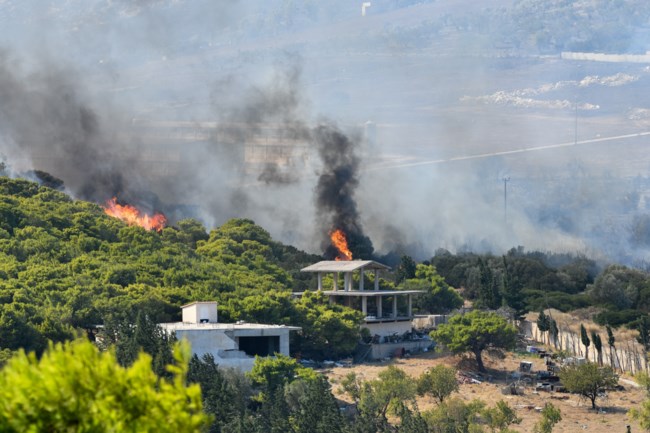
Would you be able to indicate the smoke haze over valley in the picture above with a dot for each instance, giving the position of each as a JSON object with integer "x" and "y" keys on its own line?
{"x": 456, "y": 126}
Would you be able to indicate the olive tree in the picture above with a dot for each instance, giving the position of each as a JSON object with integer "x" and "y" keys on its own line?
{"x": 588, "y": 380}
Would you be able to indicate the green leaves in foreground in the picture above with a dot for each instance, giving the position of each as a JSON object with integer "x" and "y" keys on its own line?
{"x": 76, "y": 388}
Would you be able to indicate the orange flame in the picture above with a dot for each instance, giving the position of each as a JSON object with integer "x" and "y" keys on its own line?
{"x": 132, "y": 216}
{"x": 341, "y": 244}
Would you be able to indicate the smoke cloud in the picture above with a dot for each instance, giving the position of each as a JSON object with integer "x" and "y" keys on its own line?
{"x": 336, "y": 188}
{"x": 213, "y": 109}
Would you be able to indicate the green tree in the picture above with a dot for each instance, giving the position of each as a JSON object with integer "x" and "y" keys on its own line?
{"x": 474, "y": 332}
{"x": 455, "y": 415}
{"x": 392, "y": 393}
{"x": 554, "y": 332}
{"x": 438, "y": 382}
{"x": 585, "y": 339}
{"x": 222, "y": 400}
{"x": 438, "y": 296}
{"x": 316, "y": 409}
{"x": 511, "y": 292}
{"x": 5, "y": 355}
{"x": 588, "y": 380}
{"x": 328, "y": 331}
{"x": 598, "y": 346}
{"x": 500, "y": 417}
{"x": 143, "y": 336}
{"x": 617, "y": 286}
{"x": 271, "y": 373}
{"x": 489, "y": 295}
{"x": 74, "y": 387}
{"x": 405, "y": 270}
{"x": 543, "y": 323}
{"x": 550, "y": 416}
{"x": 611, "y": 342}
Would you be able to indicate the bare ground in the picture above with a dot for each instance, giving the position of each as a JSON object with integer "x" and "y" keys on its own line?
{"x": 576, "y": 411}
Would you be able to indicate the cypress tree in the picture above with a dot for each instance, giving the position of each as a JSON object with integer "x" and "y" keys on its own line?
{"x": 585, "y": 340}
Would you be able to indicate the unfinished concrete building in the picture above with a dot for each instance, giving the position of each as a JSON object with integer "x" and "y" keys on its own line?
{"x": 386, "y": 312}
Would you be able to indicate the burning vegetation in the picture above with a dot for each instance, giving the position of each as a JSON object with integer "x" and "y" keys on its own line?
{"x": 132, "y": 216}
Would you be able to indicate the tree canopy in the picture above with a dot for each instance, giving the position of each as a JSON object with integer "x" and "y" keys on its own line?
{"x": 588, "y": 380}
{"x": 474, "y": 332}
{"x": 66, "y": 267}
{"x": 437, "y": 297}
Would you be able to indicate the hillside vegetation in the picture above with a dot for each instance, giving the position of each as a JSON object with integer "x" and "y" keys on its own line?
{"x": 65, "y": 266}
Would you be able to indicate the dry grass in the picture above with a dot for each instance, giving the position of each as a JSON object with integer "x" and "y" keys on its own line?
{"x": 576, "y": 413}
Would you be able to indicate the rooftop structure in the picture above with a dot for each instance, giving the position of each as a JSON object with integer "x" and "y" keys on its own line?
{"x": 231, "y": 344}
{"x": 386, "y": 312}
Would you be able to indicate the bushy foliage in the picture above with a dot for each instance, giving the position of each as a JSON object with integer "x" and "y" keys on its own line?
{"x": 74, "y": 387}
{"x": 437, "y": 297}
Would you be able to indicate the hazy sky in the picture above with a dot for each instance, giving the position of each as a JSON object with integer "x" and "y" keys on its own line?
{"x": 207, "y": 109}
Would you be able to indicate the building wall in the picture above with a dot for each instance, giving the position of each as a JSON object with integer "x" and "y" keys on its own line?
{"x": 390, "y": 350}
{"x": 225, "y": 348}
{"x": 429, "y": 321}
{"x": 201, "y": 311}
{"x": 388, "y": 328}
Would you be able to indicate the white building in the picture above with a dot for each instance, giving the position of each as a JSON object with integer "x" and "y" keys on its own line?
{"x": 232, "y": 344}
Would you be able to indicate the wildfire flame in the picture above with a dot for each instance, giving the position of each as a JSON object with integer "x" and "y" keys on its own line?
{"x": 341, "y": 244}
{"x": 133, "y": 217}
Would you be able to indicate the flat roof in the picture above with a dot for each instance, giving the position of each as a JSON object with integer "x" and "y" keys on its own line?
{"x": 200, "y": 302}
{"x": 225, "y": 326}
{"x": 344, "y": 266}
{"x": 368, "y": 293}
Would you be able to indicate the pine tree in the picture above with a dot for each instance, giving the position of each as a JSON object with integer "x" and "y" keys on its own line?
{"x": 318, "y": 411}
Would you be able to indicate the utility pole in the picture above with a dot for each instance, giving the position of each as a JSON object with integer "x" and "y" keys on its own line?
{"x": 505, "y": 198}
{"x": 576, "y": 123}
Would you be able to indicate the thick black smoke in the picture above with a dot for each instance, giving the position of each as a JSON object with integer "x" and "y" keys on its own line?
{"x": 335, "y": 191}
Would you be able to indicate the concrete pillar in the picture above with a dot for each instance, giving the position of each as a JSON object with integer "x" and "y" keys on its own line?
{"x": 410, "y": 310}
{"x": 347, "y": 281}
{"x": 336, "y": 280}
{"x": 379, "y": 314}
{"x": 361, "y": 280}
{"x": 394, "y": 306}
{"x": 284, "y": 344}
{"x": 320, "y": 281}
{"x": 376, "y": 279}
{"x": 364, "y": 305}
